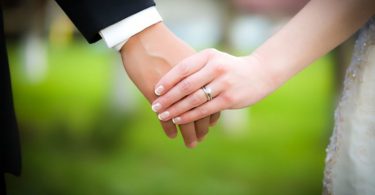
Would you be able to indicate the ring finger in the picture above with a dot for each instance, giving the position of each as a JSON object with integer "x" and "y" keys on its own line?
{"x": 196, "y": 99}
{"x": 184, "y": 88}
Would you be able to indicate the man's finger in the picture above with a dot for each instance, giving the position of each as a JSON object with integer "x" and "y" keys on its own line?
{"x": 214, "y": 118}
{"x": 189, "y": 135}
{"x": 169, "y": 128}
{"x": 201, "y": 127}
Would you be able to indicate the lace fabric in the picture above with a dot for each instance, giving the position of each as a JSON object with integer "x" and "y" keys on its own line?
{"x": 350, "y": 160}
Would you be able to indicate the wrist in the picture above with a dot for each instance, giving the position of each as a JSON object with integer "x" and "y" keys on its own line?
{"x": 158, "y": 41}
{"x": 148, "y": 55}
{"x": 272, "y": 78}
{"x": 153, "y": 29}
{"x": 279, "y": 65}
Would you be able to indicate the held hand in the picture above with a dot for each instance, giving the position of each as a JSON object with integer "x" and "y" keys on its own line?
{"x": 150, "y": 54}
{"x": 232, "y": 82}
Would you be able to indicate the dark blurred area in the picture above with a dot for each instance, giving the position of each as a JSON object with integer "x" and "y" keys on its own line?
{"x": 85, "y": 129}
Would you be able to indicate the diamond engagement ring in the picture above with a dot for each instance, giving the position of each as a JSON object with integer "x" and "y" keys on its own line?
{"x": 207, "y": 92}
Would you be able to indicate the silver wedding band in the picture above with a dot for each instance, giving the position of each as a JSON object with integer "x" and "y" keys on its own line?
{"x": 207, "y": 92}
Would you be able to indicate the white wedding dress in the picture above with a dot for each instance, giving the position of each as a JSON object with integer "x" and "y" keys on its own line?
{"x": 350, "y": 161}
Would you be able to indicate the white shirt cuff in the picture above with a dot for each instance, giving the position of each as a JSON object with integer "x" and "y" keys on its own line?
{"x": 116, "y": 35}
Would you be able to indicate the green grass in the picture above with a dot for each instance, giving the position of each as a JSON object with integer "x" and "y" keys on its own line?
{"x": 75, "y": 143}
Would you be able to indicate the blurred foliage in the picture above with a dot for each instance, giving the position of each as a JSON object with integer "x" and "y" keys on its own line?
{"x": 75, "y": 142}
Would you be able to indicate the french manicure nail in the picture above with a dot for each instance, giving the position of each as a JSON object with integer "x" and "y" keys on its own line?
{"x": 156, "y": 107}
{"x": 176, "y": 120}
{"x": 163, "y": 115}
{"x": 159, "y": 90}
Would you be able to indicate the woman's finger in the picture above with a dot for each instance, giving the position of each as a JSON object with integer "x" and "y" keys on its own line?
{"x": 216, "y": 105}
{"x": 189, "y": 135}
{"x": 185, "y": 68}
{"x": 194, "y": 100}
{"x": 186, "y": 87}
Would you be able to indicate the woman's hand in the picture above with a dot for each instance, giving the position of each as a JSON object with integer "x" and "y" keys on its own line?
{"x": 232, "y": 82}
{"x": 236, "y": 82}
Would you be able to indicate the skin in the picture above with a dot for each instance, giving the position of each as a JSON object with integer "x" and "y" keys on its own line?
{"x": 238, "y": 82}
{"x": 147, "y": 56}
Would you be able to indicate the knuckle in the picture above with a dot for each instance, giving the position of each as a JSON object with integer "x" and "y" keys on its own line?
{"x": 185, "y": 86}
{"x": 195, "y": 100}
{"x": 172, "y": 111}
{"x": 183, "y": 69}
{"x": 167, "y": 100}
{"x": 177, "y": 109}
{"x": 219, "y": 68}
{"x": 227, "y": 99}
{"x": 226, "y": 83}
{"x": 201, "y": 111}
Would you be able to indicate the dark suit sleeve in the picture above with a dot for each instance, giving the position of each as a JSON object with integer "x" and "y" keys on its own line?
{"x": 91, "y": 16}
{"x": 10, "y": 156}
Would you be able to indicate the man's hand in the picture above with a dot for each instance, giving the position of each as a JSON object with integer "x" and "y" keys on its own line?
{"x": 147, "y": 56}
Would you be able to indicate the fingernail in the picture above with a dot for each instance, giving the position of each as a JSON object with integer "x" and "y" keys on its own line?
{"x": 156, "y": 107}
{"x": 176, "y": 120}
{"x": 159, "y": 90}
{"x": 172, "y": 136}
{"x": 163, "y": 115}
{"x": 193, "y": 144}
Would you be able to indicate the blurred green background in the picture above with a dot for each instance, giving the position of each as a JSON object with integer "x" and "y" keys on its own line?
{"x": 74, "y": 143}
{"x": 78, "y": 138}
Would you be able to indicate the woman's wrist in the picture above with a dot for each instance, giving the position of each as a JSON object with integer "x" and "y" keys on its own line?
{"x": 273, "y": 76}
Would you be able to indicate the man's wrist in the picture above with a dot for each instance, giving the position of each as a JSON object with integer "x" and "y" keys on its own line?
{"x": 142, "y": 36}
{"x": 158, "y": 41}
